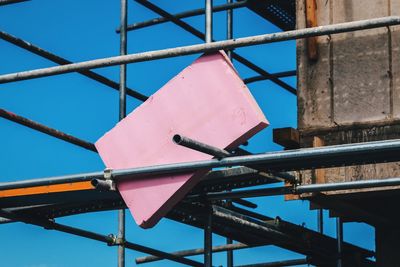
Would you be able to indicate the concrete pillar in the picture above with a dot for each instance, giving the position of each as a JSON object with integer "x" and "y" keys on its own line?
{"x": 351, "y": 93}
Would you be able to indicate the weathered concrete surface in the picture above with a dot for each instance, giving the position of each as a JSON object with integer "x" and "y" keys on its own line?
{"x": 361, "y": 79}
{"x": 351, "y": 94}
{"x": 354, "y": 82}
{"x": 360, "y": 65}
{"x": 395, "y": 36}
{"x": 314, "y": 90}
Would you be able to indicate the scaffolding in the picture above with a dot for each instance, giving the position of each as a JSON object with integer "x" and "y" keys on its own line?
{"x": 213, "y": 204}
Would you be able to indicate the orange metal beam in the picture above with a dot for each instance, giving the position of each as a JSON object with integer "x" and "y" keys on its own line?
{"x": 37, "y": 190}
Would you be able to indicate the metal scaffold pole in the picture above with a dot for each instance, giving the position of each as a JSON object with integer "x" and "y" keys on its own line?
{"x": 339, "y": 233}
{"x": 208, "y": 224}
{"x": 28, "y": 46}
{"x": 320, "y": 220}
{"x": 186, "y": 14}
{"x": 229, "y": 26}
{"x": 208, "y": 238}
{"x": 122, "y": 114}
{"x": 209, "y": 21}
{"x": 180, "y": 23}
{"x": 110, "y": 240}
{"x": 202, "y": 48}
{"x": 229, "y": 35}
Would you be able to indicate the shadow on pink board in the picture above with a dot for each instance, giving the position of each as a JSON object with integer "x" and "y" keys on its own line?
{"x": 208, "y": 102}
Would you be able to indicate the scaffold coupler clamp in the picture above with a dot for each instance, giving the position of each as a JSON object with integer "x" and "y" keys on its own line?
{"x": 106, "y": 184}
{"x": 109, "y": 179}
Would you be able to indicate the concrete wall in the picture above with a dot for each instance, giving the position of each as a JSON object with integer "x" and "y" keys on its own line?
{"x": 351, "y": 93}
{"x": 356, "y": 77}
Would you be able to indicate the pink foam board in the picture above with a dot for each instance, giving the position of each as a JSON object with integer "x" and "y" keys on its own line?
{"x": 207, "y": 102}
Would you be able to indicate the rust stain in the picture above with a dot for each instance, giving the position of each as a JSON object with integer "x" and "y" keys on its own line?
{"x": 311, "y": 21}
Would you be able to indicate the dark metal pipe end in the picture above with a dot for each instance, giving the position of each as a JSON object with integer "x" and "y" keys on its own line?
{"x": 177, "y": 138}
{"x": 111, "y": 240}
{"x": 199, "y": 146}
{"x": 95, "y": 182}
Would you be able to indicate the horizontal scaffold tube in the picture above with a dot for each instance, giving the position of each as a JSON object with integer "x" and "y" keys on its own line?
{"x": 186, "y": 14}
{"x": 62, "y": 61}
{"x": 307, "y": 158}
{"x": 300, "y": 189}
{"x": 82, "y": 177}
{"x": 284, "y": 263}
{"x": 201, "y": 48}
{"x": 108, "y": 239}
{"x": 194, "y": 252}
{"x": 314, "y": 188}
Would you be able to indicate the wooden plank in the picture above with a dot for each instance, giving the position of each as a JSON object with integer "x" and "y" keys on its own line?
{"x": 287, "y": 137}
{"x": 318, "y": 174}
{"x": 289, "y": 197}
{"x": 207, "y": 102}
{"x": 311, "y": 21}
{"x": 310, "y": 176}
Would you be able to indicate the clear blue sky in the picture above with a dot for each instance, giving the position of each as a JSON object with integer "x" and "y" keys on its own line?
{"x": 84, "y": 30}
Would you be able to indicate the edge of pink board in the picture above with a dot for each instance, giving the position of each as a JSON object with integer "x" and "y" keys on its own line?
{"x": 208, "y": 102}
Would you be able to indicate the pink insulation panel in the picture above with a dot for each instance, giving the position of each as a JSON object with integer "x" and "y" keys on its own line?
{"x": 207, "y": 102}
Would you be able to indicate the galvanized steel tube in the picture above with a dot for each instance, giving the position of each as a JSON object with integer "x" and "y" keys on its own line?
{"x": 186, "y": 14}
{"x": 199, "y": 146}
{"x": 193, "y": 252}
{"x": 339, "y": 237}
{"x": 62, "y": 61}
{"x": 209, "y": 21}
{"x": 333, "y": 156}
{"x": 122, "y": 114}
{"x": 108, "y": 239}
{"x": 81, "y": 177}
{"x": 201, "y": 48}
{"x": 329, "y": 156}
